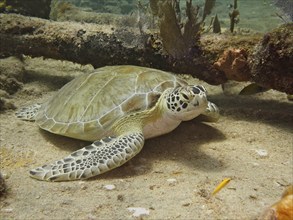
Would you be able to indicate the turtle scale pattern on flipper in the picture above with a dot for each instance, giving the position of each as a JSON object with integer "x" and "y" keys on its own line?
{"x": 92, "y": 160}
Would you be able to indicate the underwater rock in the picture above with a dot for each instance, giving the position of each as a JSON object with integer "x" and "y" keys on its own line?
{"x": 11, "y": 76}
{"x": 6, "y": 104}
{"x": 12, "y": 67}
{"x": 94, "y": 44}
{"x": 269, "y": 65}
{"x": 272, "y": 61}
{"x": 9, "y": 84}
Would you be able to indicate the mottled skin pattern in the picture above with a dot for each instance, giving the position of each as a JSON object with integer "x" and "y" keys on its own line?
{"x": 127, "y": 132}
{"x": 177, "y": 103}
{"x": 94, "y": 159}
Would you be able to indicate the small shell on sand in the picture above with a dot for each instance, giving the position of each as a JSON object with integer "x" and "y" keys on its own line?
{"x": 109, "y": 187}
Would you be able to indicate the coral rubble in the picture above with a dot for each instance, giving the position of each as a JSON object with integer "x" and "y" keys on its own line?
{"x": 272, "y": 61}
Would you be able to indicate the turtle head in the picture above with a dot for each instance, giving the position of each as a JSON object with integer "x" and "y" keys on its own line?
{"x": 186, "y": 102}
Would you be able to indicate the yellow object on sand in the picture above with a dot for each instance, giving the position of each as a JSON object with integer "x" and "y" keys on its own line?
{"x": 221, "y": 185}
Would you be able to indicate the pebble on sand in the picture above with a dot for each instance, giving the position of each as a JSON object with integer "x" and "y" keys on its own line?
{"x": 262, "y": 153}
{"x": 172, "y": 182}
{"x": 138, "y": 211}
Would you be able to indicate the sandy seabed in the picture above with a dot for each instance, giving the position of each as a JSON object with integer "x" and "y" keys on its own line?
{"x": 171, "y": 178}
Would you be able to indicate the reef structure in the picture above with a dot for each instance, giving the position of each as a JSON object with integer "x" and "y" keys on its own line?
{"x": 266, "y": 60}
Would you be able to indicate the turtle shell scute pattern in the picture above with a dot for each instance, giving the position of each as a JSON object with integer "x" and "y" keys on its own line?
{"x": 92, "y": 102}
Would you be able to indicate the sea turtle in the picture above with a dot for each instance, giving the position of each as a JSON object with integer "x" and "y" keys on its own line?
{"x": 117, "y": 108}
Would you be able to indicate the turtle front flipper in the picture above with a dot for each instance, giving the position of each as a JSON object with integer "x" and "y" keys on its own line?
{"x": 28, "y": 113}
{"x": 99, "y": 157}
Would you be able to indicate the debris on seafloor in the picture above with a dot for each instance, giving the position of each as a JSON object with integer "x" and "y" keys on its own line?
{"x": 221, "y": 186}
{"x": 283, "y": 209}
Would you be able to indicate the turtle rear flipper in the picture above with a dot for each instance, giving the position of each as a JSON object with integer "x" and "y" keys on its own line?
{"x": 28, "y": 113}
{"x": 99, "y": 157}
